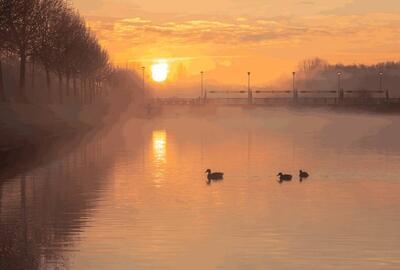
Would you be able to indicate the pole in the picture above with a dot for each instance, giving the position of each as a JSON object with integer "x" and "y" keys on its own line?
{"x": 294, "y": 87}
{"x": 143, "y": 70}
{"x": 143, "y": 82}
{"x": 380, "y": 81}
{"x": 249, "y": 95}
{"x": 387, "y": 96}
{"x": 340, "y": 92}
{"x": 202, "y": 85}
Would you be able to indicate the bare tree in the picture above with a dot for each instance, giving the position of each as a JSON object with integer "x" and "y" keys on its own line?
{"x": 73, "y": 42}
{"x": 23, "y": 20}
{"x": 55, "y": 35}
{"x": 3, "y": 37}
{"x": 50, "y": 11}
{"x": 309, "y": 66}
{"x": 68, "y": 31}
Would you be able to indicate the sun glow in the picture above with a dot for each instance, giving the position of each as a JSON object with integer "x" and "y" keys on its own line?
{"x": 159, "y": 156}
{"x": 159, "y": 71}
{"x": 160, "y": 145}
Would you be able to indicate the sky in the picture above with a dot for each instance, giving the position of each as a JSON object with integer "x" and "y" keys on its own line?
{"x": 228, "y": 38}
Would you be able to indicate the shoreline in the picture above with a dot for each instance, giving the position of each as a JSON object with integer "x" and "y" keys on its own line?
{"x": 25, "y": 125}
{"x": 385, "y": 109}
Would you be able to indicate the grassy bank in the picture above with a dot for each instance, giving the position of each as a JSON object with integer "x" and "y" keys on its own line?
{"x": 25, "y": 124}
{"x": 32, "y": 124}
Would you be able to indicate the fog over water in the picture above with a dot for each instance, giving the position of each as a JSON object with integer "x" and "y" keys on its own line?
{"x": 135, "y": 196}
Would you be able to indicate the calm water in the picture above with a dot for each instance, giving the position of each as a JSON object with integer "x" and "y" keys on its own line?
{"x": 135, "y": 196}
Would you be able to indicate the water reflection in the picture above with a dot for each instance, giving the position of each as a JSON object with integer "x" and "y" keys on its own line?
{"x": 141, "y": 202}
{"x": 160, "y": 146}
{"x": 43, "y": 211}
{"x": 159, "y": 141}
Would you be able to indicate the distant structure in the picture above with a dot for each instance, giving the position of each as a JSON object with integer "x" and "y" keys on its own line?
{"x": 340, "y": 96}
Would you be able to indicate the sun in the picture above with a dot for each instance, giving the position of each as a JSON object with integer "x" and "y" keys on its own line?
{"x": 159, "y": 71}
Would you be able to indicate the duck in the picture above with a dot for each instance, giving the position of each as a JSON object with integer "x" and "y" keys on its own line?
{"x": 284, "y": 177}
{"x": 214, "y": 175}
{"x": 303, "y": 174}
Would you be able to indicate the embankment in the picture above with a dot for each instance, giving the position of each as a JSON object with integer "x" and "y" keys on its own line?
{"x": 32, "y": 124}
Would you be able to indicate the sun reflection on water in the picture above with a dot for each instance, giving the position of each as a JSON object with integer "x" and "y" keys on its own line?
{"x": 159, "y": 155}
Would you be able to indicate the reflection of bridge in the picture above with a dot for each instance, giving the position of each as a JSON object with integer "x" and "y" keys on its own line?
{"x": 310, "y": 97}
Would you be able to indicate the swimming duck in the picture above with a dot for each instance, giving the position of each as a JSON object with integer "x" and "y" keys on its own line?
{"x": 303, "y": 174}
{"x": 284, "y": 177}
{"x": 215, "y": 175}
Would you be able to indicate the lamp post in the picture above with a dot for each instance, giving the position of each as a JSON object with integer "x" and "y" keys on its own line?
{"x": 380, "y": 81}
{"x": 249, "y": 88}
{"x": 340, "y": 91}
{"x": 143, "y": 82}
{"x": 202, "y": 85}
{"x": 143, "y": 71}
{"x": 381, "y": 87}
{"x": 339, "y": 74}
{"x": 294, "y": 86}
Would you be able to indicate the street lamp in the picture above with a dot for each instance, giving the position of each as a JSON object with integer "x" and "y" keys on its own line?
{"x": 248, "y": 88}
{"x": 202, "y": 85}
{"x": 340, "y": 90}
{"x": 339, "y": 74}
{"x": 380, "y": 81}
{"x": 294, "y": 86}
{"x": 143, "y": 70}
{"x": 294, "y": 80}
{"x": 248, "y": 85}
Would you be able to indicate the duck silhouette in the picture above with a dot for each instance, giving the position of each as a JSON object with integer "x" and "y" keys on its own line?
{"x": 303, "y": 174}
{"x": 284, "y": 177}
{"x": 214, "y": 175}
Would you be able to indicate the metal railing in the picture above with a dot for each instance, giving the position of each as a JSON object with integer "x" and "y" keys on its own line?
{"x": 324, "y": 97}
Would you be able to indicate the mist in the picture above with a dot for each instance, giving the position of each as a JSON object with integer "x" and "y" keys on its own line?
{"x": 188, "y": 154}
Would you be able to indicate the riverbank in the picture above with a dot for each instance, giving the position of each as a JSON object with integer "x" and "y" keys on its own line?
{"x": 30, "y": 124}
{"x": 33, "y": 124}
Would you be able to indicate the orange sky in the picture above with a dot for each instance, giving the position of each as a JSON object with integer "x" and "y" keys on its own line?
{"x": 227, "y": 38}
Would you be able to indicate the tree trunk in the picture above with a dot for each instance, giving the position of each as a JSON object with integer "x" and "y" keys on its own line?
{"x": 96, "y": 90}
{"x": 22, "y": 78}
{"x": 2, "y": 94}
{"x": 75, "y": 88}
{"x": 33, "y": 74}
{"x": 1, "y": 197}
{"x": 84, "y": 95}
{"x": 92, "y": 92}
{"x": 81, "y": 91}
{"x": 60, "y": 90}
{"x": 68, "y": 79}
{"x": 48, "y": 83}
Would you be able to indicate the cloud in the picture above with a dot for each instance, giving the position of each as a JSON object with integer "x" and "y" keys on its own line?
{"x": 112, "y": 8}
{"x": 307, "y": 3}
{"x": 137, "y": 30}
{"x": 359, "y": 7}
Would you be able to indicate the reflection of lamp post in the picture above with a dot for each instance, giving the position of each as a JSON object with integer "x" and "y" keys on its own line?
{"x": 248, "y": 88}
{"x": 380, "y": 81}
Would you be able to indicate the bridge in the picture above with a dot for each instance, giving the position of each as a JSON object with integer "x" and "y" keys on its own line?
{"x": 286, "y": 97}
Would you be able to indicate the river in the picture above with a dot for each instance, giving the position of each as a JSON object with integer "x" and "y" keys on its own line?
{"x": 135, "y": 196}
